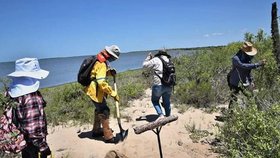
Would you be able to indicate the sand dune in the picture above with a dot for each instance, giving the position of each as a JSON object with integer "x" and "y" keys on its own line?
{"x": 76, "y": 142}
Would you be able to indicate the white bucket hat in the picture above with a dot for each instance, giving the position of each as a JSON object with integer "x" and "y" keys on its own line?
{"x": 29, "y": 67}
{"x": 113, "y": 50}
{"x": 23, "y": 85}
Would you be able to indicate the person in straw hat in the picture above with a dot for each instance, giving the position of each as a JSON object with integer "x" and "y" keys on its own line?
{"x": 240, "y": 76}
{"x": 30, "y": 106}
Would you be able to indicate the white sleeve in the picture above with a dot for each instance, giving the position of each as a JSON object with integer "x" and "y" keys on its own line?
{"x": 149, "y": 62}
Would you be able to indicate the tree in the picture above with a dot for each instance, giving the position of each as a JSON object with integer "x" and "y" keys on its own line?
{"x": 275, "y": 34}
{"x": 249, "y": 37}
{"x": 260, "y": 35}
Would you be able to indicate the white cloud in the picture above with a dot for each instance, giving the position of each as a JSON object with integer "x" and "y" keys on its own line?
{"x": 217, "y": 34}
{"x": 206, "y": 35}
{"x": 213, "y": 34}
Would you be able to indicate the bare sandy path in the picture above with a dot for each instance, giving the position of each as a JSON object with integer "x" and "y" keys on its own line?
{"x": 175, "y": 140}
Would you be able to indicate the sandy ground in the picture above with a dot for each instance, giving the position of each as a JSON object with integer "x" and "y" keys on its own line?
{"x": 76, "y": 142}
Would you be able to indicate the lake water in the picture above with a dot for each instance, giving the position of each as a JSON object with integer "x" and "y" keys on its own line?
{"x": 64, "y": 70}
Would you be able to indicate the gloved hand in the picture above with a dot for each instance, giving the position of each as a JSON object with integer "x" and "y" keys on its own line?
{"x": 112, "y": 72}
{"x": 262, "y": 62}
{"x": 116, "y": 98}
{"x": 252, "y": 85}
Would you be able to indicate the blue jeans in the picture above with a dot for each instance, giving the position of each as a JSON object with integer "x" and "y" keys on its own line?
{"x": 164, "y": 92}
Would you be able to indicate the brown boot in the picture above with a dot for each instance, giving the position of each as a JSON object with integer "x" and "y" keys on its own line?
{"x": 97, "y": 130}
{"x": 108, "y": 134}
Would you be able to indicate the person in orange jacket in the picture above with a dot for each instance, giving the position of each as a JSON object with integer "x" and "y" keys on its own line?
{"x": 99, "y": 89}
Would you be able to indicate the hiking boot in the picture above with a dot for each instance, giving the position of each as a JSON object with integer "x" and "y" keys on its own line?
{"x": 99, "y": 133}
{"x": 96, "y": 122}
{"x": 113, "y": 140}
{"x": 108, "y": 134}
{"x": 161, "y": 116}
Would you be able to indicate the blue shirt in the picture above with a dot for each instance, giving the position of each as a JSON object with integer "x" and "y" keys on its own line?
{"x": 241, "y": 69}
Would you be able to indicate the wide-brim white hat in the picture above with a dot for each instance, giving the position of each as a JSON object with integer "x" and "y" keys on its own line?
{"x": 113, "y": 50}
{"x": 23, "y": 85}
{"x": 28, "y": 67}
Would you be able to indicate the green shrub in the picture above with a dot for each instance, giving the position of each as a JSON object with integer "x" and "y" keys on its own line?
{"x": 201, "y": 77}
{"x": 3, "y": 100}
{"x": 132, "y": 84}
{"x": 192, "y": 93}
{"x": 9, "y": 155}
{"x": 251, "y": 132}
{"x": 67, "y": 102}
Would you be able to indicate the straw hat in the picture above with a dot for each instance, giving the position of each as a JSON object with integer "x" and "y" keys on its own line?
{"x": 113, "y": 50}
{"x": 28, "y": 67}
{"x": 249, "y": 49}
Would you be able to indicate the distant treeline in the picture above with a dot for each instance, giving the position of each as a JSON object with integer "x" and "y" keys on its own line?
{"x": 197, "y": 48}
{"x": 185, "y": 49}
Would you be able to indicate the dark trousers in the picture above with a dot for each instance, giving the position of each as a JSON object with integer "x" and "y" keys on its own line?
{"x": 233, "y": 96}
{"x": 102, "y": 108}
{"x": 32, "y": 151}
{"x": 234, "y": 92}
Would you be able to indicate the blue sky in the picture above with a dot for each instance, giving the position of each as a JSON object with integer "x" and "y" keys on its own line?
{"x": 62, "y": 28}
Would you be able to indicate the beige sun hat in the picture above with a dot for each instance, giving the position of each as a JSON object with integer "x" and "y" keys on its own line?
{"x": 113, "y": 50}
{"x": 249, "y": 49}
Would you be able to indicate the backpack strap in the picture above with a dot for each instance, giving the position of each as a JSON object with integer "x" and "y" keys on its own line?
{"x": 162, "y": 61}
{"x": 163, "y": 65}
{"x": 107, "y": 63}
